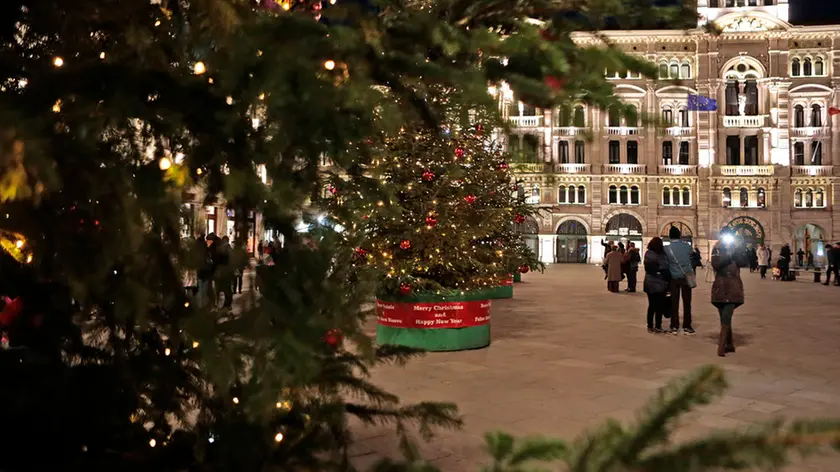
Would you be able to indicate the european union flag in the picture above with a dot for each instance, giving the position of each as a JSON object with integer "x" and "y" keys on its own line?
{"x": 701, "y": 103}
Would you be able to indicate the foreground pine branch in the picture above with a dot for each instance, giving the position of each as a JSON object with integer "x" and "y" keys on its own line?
{"x": 645, "y": 446}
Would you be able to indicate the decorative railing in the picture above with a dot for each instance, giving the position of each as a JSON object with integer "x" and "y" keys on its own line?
{"x": 747, "y": 121}
{"x": 572, "y": 168}
{"x": 808, "y": 132}
{"x": 677, "y": 170}
{"x": 526, "y": 121}
{"x": 624, "y": 168}
{"x": 678, "y": 131}
{"x": 811, "y": 171}
{"x": 570, "y": 131}
{"x": 524, "y": 167}
{"x": 745, "y": 170}
{"x": 622, "y": 131}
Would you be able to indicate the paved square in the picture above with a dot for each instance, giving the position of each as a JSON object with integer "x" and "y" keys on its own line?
{"x": 567, "y": 354}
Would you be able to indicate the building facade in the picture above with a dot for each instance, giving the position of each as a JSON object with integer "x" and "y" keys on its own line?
{"x": 765, "y": 166}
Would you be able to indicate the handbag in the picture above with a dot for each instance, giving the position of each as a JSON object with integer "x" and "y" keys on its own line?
{"x": 690, "y": 278}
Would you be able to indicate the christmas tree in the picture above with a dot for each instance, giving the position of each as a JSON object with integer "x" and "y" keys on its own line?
{"x": 444, "y": 219}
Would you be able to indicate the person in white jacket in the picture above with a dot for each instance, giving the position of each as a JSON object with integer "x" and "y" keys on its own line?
{"x": 763, "y": 260}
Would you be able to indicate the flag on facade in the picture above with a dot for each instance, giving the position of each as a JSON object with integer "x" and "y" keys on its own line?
{"x": 701, "y": 103}
{"x": 833, "y": 111}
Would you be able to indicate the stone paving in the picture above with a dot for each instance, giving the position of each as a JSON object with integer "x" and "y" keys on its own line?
{"x": 566, "y": 354}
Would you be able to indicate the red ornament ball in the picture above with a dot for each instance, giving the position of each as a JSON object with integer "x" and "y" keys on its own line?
{"x": 504, "y": 165}
{"x": 428, "y": 176}
{"x": 554, "y": 82}
{"x": 519, "y": 219}
{"x": 460, "y": 152}
{"x": 405, "y": 288}
{"x": 470, "y": 199}
{"x": 333, "y": 189}
{"x": 405, "y": 244}
{"x": 524, "y": 269}
{"x": 479, "y": 129}
{"x": 431, "y": 220}
{"x": 334, "y": 338}
{"x": 361, "y": 252}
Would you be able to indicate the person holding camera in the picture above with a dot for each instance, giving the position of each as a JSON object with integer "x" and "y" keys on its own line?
{"x": 728, "y": 289}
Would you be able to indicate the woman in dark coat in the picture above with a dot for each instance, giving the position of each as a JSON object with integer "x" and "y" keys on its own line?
{"x": 657, "y": 277}
{"x": 728, "y": 290}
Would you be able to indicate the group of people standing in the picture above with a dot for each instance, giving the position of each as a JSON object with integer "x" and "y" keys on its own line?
{"x": 216, "y": 275}
{"x": 670, "y": 276}
{"x": 621, "y": 263}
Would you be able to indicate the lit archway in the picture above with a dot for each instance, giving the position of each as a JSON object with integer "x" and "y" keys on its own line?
{"x": 572, "y": 242}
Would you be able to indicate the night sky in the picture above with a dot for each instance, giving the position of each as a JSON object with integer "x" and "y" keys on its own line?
{"x": 810, "y": 12}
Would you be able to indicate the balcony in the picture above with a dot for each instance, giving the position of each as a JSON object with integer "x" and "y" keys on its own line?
{"x": 570, "y": 131}
{"x": 808, "y": 132}
{"x": 739, "y": 171}
{"x": 636, "y": 169}
{"x": 680, "y": 131}
{"x": 572, "y": 168}
{"x": 747, "y": 121}
{"x": 677, "y": 170}
{"x": 811, "y": 171}
{"x": 528, "y": 167}
{"x": 623, "y": 131}
{"x": 526, "y": 121}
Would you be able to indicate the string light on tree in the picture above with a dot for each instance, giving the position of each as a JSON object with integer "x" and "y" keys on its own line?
{"x": 164, "y": 163}
{"x": 278, "y": 437}
{"x": 329, "y": 65}
{"x": 199, "y": 68}
{"x": 58, "y": 61}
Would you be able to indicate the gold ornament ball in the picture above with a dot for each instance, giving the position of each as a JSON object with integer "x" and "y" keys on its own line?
{"x": 329, "y": 65}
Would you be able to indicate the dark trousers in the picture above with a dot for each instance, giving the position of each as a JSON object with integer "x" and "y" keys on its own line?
{"x": 612, "y": 286}
{"x": 631, "y": 280}
{"x": 656, "y": 308}
{"x": 763, "y": 270}
{"x": 677, "y": 287}
{"x": 237, "y": 283}
{"x": 832, "y": 270}
{"x": 225, "y": 285}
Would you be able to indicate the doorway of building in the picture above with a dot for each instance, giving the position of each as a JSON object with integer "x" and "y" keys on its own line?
{"x": 624, "y": 228}
{"x": 746, "y": 232}
{"x": 572, "y": 243}
{"x": 810, "y": 239}
{"x": 685, "y": 231}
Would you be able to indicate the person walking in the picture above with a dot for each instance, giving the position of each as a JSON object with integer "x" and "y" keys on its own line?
{"x": 633, "y": 261}
{"x": 833, "y": 257}
{"x": 763, "y": 260}
{"x": 683, "y": 280}
{"x": 224, "y": 273}
{"x": 696, "y": 259}
{"x": 613, "y": 263}
{"x": 809, "y": 257}
{"x": 206, "y": 271}
{"x": 727, "y": 290}
{"x": 655, "y": 285}
{"x": 785, "y": 258}
{"x": 800, "y": 257}
{"x": 752, "y": 256}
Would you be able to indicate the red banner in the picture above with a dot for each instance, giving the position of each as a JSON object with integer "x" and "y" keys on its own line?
{"x": 432, "y": 315}
{"x": 506, "y": 282}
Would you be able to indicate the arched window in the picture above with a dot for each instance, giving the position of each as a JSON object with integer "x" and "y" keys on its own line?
{"x": 806, "y": 67}
{"x": 675, "y": 70}
{"x": 797, "y": 198}
{"x": 686, "y": 196}
{"x": 798, "y": 116}
{"x": 726, "y": 201}
{"x": 685, "y": 72}
{"x": 820, "y": 198}
{"x": 581, "y": 194}
{"x": 816, "y": 116}
{"x": 563, "y": 152}
{"x": 663, "y": 70}
{"x": 684, "y": 153}
{"x": 819, "y": 66}
{"x": 668, "y": 116}
{"x": 666, "y": 195}
{"x": 613, "y": 194}
{"x": 799, "y": 153}
{"x": 676, "y": 196}
{"x": 744, "y": 197}
{"x": 762, "y": 197}
{"x": 684, "y": 118}
{"x": 572, "y": 194}
{"x": 667, "y": 153}
{"x": 816, "y": 153}
{"x": 613, "y": 117}
{"x": 561, "y": 194}
{"x": 632, "y": 117}
{"x": 634, "y": 195}
{"x": 795, "y": 67}
{"x": 809, "y": 198}
{"x": 579, "y": 119}
{"x": 622, "y": 195}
